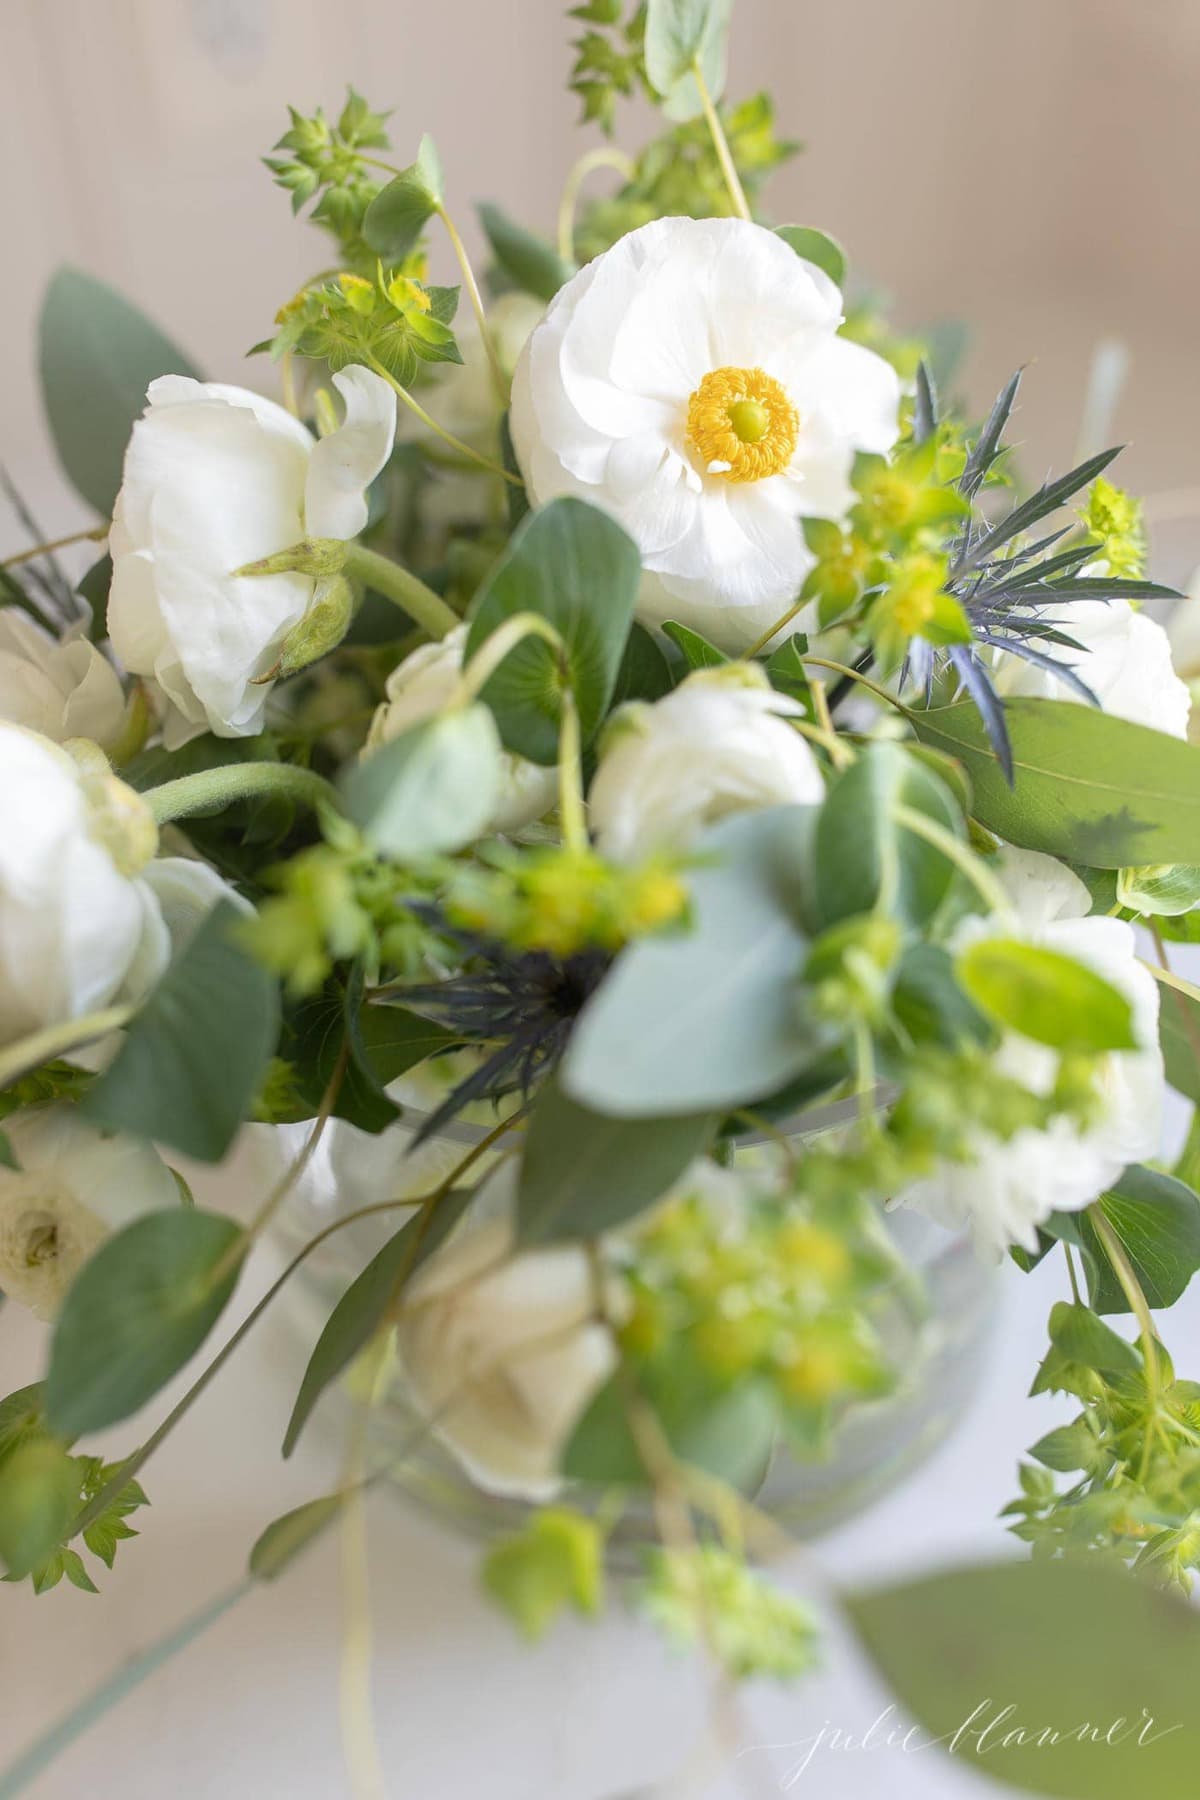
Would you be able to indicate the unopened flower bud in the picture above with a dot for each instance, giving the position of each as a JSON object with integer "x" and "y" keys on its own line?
{"x": 319, "y": 557}
{"x": 321, "y": 629}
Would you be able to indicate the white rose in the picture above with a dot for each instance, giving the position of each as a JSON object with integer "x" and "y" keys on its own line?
{"x": 73, "y": 1187}
{"x": 86, "y": 918}
{"x": 64, "y": 689}
{"x": 1125, "y": 661}
{"x": 419, "y": 688}
{"x": 691, "y": 381}
{"x": 1016, "y": 1183}
{"x": 719, "y": 743}
{"x": 217, "y": 477}
{"x": 501, "y": 1349}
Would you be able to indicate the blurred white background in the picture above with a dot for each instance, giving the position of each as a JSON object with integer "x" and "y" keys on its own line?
{"x": 1029, "y": 167}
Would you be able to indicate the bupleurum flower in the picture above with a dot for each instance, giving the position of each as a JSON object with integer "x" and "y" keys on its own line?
{"x": 692, "y": 382}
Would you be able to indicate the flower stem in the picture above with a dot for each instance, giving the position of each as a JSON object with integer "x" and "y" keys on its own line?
{"x": 721, "y": 144}
{"x": 499, "y": 381}
{"x": 968, "y": 864}
{"x": 1125, "y": 1273}
{"x": 94, "y": 534}
{"x": 210, "y": 789}
{"x": 502, "y": 642}
{"x": 414, "y": 406}
{"x": 571, "y": 814}
{"x": 764, "y": 638}
{"x": 403, "y": 589}
{"x": 55, "y": 1040}
{"x": 606, "y": 157}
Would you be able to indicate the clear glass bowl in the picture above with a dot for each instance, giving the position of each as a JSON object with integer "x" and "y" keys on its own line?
{"x": 934, "y": 1321}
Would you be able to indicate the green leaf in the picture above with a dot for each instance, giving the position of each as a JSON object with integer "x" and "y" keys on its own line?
{"x": 816, "y": 247}
{"x": 1072, "y": 1646}
{"x": 729, "y": 1435}
{"x": 864, "y": 858}
{"x": 194, "y": 1057}
{"x": 366, "y": 1303}
{"x": 398, "y": 214}
{"x": 929, "y": 1002}
{"x": 697, "y": 652}
{"x": 529, "y": 262}
{"x": 39, "y": 1498}
{"x": 583, "y": 1172}
{"x": 8, "y": 1156}
{"x": 22, "y": 1417}
{"x": 1069, "y": 1448}
{"x": 1162, "y": 890}
{"x": 557, "y": 1561}
{"x": 1157, "y": 1219}
{"x": 645, "y": 673}
{"x": 575, "y": 567}
{"x": 285, "y": 1537}
{"x": 709, "y": 1019}
{"x": 140, "y": 1308}
{"x": 680, "y": 33}
{"x": 98, "y": 355}
{"x": 1089, "y": 788}
{"x": 1179, "y": 1036}
{"x": 1046, "y": 996}
{"x": 1083, "y": 1338}
{"x": 431, "y": 790}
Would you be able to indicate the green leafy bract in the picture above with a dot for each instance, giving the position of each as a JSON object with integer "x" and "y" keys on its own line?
{"x": 398, "y": 214}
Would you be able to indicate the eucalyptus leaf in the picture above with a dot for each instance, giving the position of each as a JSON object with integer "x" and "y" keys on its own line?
{"x": 645, "y": 673}
{"x": 139, "y": 1309}
{"x": 1179, "y": 1036}
{"x": 194, "y": 1057}
{"x": 816, "y": 247}
{"x": 575, "y": 567}
{"x": 1046, "y": 996}
{"x": 98, "y": 355}
{"x": 366, "y": 1303}
{"x": 1106, "y": 1662}
{"x": 396, "y": 217}
{"x": 1089, "y": 788}
{"x": 284, "y": 1538}
{"x": 708, "y": 1019}
{"x": 432, "y": 789}
{"x": 530, "y": 263}
{"x": 678, "y": 35}
{"x": 864, "y": 857}
{"x": 583, "y": 1172}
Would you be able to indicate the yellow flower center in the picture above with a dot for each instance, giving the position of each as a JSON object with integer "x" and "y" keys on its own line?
{"x": 742, "y": 425}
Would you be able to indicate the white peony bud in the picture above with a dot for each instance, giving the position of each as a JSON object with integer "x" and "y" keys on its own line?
{"x": 691, "y": 381}
{"x": 85, "y": 916}
{"x": 419, "y": 688}
{"x": 1015, "y": 1183}
{"x": 215, "y": 478}
{"x": 73, "y": 1187}
{"x": 719, "y": 744}
{"x": 63, "y": 689}
{"x": 501, "y": 1349}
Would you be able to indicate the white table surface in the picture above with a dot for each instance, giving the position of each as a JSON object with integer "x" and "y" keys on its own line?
{"x": 598, "y": 1711}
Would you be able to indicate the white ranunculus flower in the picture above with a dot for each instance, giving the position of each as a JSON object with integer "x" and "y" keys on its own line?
{"x": 419, "y": 688}
{"x": 1016, "y": 1183}
{"x": 691, "y": 381}
{"x": 217, "y": 477}
{"x": 720, "y": 743}
{"x": 62, "y": 688}
{"x": 501, "y": 1348}
{"x": 73, "y": 1187}
{"x": 87, "y": 919}
{"x": 1125, "y": 660}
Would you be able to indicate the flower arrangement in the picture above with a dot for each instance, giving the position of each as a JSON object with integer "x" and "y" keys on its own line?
{"x": 619, "y": 713}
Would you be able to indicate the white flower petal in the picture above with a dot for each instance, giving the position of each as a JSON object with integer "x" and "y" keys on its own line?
{"x": 344, "y": 464}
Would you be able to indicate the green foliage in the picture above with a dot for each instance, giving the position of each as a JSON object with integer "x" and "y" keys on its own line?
{"x": 287, "y": 1537}
{"x": 395, "y": 219}
{"x": 730, "y": 1436}
{"x": 98, "y": 355}
{"x": 816, "y": 247}
{"x": 608, "y": 58}
{"x": 576, "y": 568}
{"x": 326, "y": 161}
{"x": 1162, "y": 890}
{"x": 526, "y": 261}
{"x": 389, "y": 320}
{"x": 1044, "y": 995}
{"x": 709, "y": 1020}
{"x": 583, "y": 1173}
{"x": 1115, "y": 519}
{"x": 194, "y": 1057}
{"x": 865, "y": 857}
{"x": 681, "y": 37}
{"x": 556, "y": 1561}
{"x": 1089, "y": 788}
{"x": 1157, "y": 1220}
{"x": 563, "y": 901}
{"x": 708, "y": 1596}
{"x": 986, "y": 1658}
{"x": 430, "y": 790}
{"x": 368, "y": 1303}
{"x": 138, "y": 1311}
